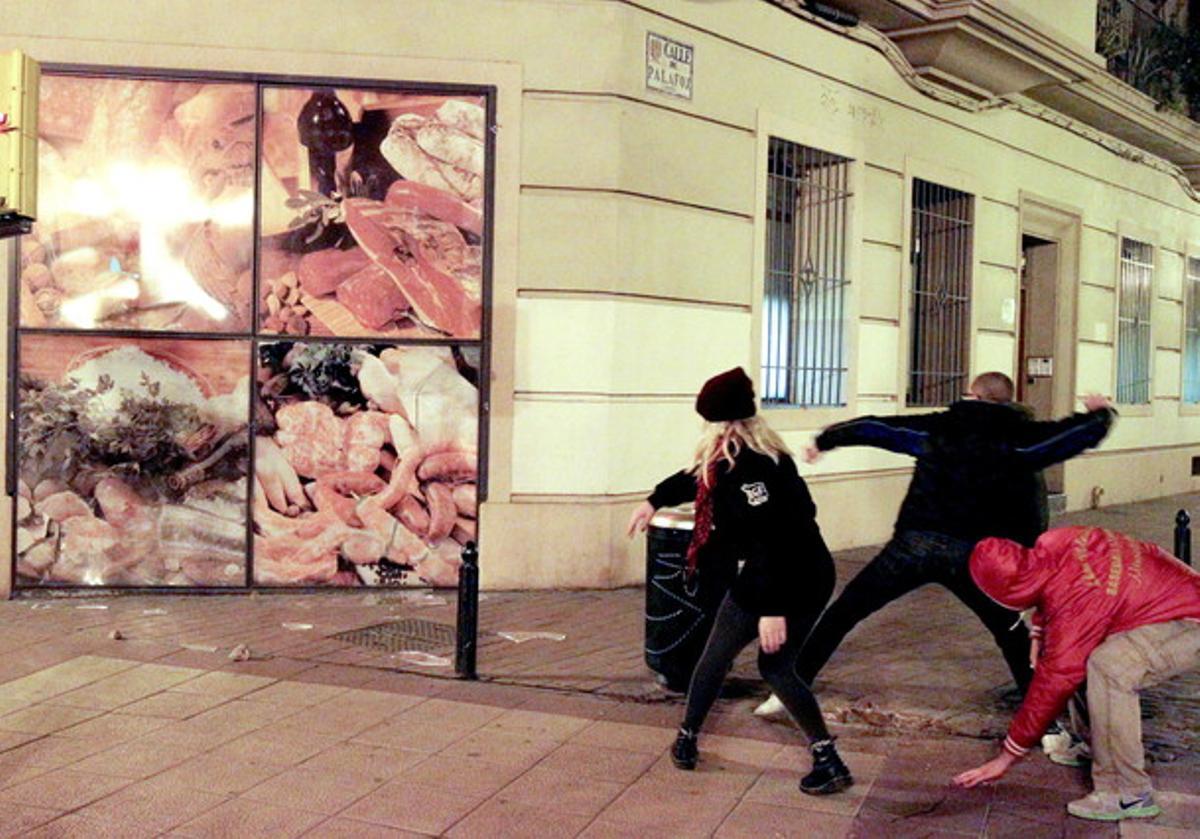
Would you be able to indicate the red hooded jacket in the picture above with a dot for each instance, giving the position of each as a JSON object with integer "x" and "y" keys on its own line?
{"x": 1085, "y": 584}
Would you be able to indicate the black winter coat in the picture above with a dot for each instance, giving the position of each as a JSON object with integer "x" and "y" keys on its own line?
{"x": 979, "y": 464}
{"x": 762, "y": 513}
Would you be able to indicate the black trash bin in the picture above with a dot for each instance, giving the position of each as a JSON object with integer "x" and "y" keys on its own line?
{"x": 679, "y": 611}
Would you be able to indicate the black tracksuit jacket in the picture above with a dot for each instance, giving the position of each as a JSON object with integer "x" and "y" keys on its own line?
{"x": 979, "y": 464}
{"x": 762, "y": 513}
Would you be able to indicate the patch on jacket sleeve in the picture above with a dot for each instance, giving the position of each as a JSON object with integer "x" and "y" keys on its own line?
{"x": 756, "y": 493}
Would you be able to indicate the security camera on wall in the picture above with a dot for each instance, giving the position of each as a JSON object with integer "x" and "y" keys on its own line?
{"x": 19, "y": 77}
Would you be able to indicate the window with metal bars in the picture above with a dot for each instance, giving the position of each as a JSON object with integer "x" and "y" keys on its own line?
{"x": 804, "y": 302}
{"x": 940, "y": 299}
{"x": 1191, "y": 333}
{"x": 1135, "y": 302}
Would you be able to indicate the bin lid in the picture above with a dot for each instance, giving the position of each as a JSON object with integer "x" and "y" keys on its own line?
{"x": 674, "y": 518}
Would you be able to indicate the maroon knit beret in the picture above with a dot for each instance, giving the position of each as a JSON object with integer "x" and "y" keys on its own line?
{"x": 727, "y": 396}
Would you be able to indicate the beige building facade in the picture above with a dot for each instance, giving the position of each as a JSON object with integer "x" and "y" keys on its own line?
{"x": 630, "y": 234}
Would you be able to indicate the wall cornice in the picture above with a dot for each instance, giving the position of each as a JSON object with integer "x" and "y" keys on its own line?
{"x": 982, "y": 54}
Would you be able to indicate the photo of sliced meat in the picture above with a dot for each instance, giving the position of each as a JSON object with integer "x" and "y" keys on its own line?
{"x": 368, "y": 474}
{"x": 389, "y": 181}
{"x": 321, "y": 272}
{"x": 437, "y": 298}
{"x": 373, "y": 297}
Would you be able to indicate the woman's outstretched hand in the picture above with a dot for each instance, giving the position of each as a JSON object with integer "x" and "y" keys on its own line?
{"x": 772, "y": 634}
{"x": 640, "y": 519}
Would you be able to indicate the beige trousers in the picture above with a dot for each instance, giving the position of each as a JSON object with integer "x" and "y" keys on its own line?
{"x": 1117, "y": 669}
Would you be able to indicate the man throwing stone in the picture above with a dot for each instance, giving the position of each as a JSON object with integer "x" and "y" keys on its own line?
{"x": 977, "y": 474}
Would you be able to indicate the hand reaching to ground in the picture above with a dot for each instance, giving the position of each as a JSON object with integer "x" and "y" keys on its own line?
{"x": 987, "y": 772}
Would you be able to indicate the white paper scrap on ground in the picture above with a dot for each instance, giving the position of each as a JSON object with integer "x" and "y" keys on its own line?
{"x": 419, "y": 598}
{"x": 154, "y": 611}
{"x": 522, "y": 637}
{"x": 95, "y": 606}
{"x": 42, "y": 606}
{"x": 200, "y": 648}
{"x": 297, "y": 627}
{"x": 421, "y": 659}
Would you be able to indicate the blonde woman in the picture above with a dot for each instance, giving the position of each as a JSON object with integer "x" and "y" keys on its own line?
{"x": 752, "y": 505}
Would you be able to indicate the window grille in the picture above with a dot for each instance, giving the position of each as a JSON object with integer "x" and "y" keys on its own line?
{"x": 1191, "y": 344}
{"x": 804, "y": 306}
{"x": 1133, "y": 322}
{"x": 940, "y": 302}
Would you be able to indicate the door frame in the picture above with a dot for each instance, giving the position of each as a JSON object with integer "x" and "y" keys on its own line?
{"x": 1062, "y": 224}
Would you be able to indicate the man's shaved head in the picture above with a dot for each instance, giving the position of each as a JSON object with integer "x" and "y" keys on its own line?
{"x": 992, "y": 387}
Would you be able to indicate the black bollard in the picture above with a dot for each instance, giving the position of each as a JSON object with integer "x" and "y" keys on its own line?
{"x": 468, "y": 613}
{"x": 1183, "y": 536}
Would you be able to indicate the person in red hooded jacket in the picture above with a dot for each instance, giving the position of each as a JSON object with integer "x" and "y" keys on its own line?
{"x": 1120, "y": 613}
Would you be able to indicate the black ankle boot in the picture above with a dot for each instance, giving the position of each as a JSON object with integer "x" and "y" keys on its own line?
{"x": 684, "y": 753}
{"x": 828, "y": 773}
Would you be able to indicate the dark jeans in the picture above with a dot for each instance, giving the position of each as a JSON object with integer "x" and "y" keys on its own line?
{"x": 913, "y": 559}
{"x": 733, "y": 630}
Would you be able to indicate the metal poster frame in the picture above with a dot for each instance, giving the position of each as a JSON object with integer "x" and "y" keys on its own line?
{"x": 254, "y": 337}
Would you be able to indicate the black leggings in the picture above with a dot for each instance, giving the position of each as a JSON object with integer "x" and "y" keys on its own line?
{"x": 910, "y": 560}
{"x": 733, "y": 630}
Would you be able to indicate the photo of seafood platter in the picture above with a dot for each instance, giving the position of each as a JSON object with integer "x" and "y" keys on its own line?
{"x": 371, "y": 214}
{"x": 145, "y": 206}
{"x": 365, "y": 463}
{"x": 132, "y": 461}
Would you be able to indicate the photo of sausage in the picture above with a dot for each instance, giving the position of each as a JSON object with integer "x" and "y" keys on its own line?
{"x": 366, "y": 470}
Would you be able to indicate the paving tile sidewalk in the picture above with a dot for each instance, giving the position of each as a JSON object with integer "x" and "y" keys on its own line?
{"x": 161, "y": 734}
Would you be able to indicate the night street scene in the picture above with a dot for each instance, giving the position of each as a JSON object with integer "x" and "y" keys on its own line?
{"x": 600, "y": 418}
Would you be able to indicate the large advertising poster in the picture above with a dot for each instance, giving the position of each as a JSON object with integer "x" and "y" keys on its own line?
{"x": 366, "y": 463}
{"x": 250, "y": 334}
{"x": 132, "y": 461}
{"x": 372, "y": 214}
{"x": 145, "y": 207}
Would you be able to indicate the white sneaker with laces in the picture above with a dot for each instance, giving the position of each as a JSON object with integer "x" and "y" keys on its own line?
{"x": 1111, "y": 807}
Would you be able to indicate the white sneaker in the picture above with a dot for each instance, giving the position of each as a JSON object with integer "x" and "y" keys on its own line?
{"x": 771, "y": 707}
{"x": 1110, "y": 807}
{"x": 1076, "y": 753}
{"x": 1056, "y": 741}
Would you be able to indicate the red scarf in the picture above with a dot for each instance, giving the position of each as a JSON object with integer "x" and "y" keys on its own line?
{"x": 704, "y": 516}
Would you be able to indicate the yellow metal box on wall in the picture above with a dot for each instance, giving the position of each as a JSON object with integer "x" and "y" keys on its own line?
{"x": 19, "y": 76}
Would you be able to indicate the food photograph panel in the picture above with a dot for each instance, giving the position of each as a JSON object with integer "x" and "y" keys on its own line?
{"x": 366, "y": 463}
{"x": 371, "y": 217}
{"x": 132, "y": 461}
{"x": 145, "y": 206}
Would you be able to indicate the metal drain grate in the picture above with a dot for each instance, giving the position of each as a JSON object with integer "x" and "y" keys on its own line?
{"x": 398, "y": 636}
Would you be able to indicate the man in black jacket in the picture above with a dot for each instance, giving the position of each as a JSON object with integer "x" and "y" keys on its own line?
{"x": 978, "y": 474}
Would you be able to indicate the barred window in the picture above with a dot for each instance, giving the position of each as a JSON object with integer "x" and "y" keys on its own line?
{"x": 940, "y": 302}
{"x": 1134, "y": 358}
{"x": 1191, "y": 343}
{"x": 804, "y": 306}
